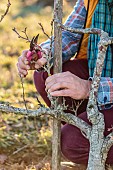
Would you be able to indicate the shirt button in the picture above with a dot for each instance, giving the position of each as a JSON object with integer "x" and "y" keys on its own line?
{"x": 105, "y": 99}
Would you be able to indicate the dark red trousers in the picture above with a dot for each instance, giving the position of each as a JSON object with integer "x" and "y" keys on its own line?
{"x": 74, "y": 145}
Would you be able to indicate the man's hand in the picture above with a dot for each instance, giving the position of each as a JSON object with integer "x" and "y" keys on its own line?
{"x": 23, "y": 64}
{"x": 68, "y": 84}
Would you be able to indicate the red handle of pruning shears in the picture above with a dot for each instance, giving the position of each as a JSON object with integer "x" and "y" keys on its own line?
{"x": 34, "y": 52}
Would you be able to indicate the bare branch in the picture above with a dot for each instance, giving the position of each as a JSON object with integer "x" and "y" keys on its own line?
{"x": 108, "y": 142}
{"x": 39, "y": 102}
{"x": 26, "y": 37}
{"x": 78, "y": 30}
{"x": 76, "y": 105}
{"x": 92, "y": 108}
{"x": 48, "y": 56}
{"x": 7, "y": 10}
{"x": 20, "y": 36}
{"x": 22, "y": 83}
{"x": 44, "y": 31}
{"x": 67, "y": 117}
{"x": 76, "y": 121}
{"x": 25, "y": 32}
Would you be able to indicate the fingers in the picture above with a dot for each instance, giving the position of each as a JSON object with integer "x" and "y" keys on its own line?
{"x": 65, "y": 84}
{"x": 40, "y": 63}
{"x": 22, "y": 64}
{"x": 59, "y": 86}
{"x": 23, "y": 56}
{"x": 64, "y": 92}
{"x": 22, "y": 72}
{"x": 58, "y": 76}
{"x": 62, "y": 82}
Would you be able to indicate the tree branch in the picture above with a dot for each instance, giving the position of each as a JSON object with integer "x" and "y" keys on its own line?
{"x": 76, "y": 121}
{"x": 20, "y": 36}
{"x": 108, "y": 142}
{"x": 67, "y": 117}
{"x": 44, "y": 31}
{"x": 79, "y": 30}
{"x": 7, "y": 10}
{"x": 92, "y": 109}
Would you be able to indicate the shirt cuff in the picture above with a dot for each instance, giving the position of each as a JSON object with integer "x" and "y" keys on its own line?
{"x": 104, "y": 101}
{"x": 105, "y": 93}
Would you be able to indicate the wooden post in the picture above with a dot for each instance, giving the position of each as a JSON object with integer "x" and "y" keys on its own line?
{"x": 57, "y": 68}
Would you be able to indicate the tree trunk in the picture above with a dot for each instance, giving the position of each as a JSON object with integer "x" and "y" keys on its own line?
{"x": 96, "y": 139}
{"x": 57, "y": 68}
{"x": 96, "y": 159}
{"x": 95, "y": 163}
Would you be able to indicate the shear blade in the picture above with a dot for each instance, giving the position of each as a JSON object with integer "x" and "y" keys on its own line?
{"x": 32, "y": 44}
{"x": 36, "y": 39}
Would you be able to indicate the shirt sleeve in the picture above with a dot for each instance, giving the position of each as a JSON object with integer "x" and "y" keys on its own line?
{"x": 70, "y": 41}
{"x": 105, "y": 93}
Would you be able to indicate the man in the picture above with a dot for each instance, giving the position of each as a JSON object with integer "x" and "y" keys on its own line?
{"x": 74, "y": 82}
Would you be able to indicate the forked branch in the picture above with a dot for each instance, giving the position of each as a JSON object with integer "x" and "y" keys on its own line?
{"x": 20, "y": 36}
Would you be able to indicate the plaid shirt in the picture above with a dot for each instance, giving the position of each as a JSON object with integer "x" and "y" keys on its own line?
{"x": 102, "y": 11}
{"x": 70, "y": 44}
{"x": 105, "y": 93}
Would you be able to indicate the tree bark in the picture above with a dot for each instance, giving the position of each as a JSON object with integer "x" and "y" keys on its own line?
{"x": 96, "y": 159}
{"x": 57, "y": 68}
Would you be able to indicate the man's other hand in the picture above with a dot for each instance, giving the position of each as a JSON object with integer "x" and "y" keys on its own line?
{"x": 68, "y": 84}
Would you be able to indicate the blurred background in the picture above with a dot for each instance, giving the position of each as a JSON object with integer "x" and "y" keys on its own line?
{"x": 24, "y": 143}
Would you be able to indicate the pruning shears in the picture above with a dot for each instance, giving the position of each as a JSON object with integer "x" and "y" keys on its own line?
{"x": 34, "y": 52}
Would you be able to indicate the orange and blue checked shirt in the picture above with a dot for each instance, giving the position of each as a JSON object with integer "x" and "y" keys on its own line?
{"x": 70, "y": 45}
